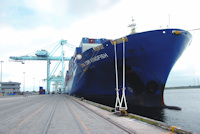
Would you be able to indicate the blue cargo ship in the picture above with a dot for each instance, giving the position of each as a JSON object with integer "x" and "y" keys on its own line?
{"x": 149, "y": 58}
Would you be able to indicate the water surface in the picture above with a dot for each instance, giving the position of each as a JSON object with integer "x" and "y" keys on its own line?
{"x": 188, "y": 118}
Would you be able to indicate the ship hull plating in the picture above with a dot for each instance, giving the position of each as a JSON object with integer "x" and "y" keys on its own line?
{"x": 149, "y": 57}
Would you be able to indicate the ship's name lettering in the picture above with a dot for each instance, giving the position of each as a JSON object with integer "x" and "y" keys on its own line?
{"x": 94, "y": 59}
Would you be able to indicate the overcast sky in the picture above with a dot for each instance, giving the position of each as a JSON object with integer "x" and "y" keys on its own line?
{"x": 30, "y": 25}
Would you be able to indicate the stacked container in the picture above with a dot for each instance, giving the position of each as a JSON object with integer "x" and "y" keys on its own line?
{"x": 42, "y": 91}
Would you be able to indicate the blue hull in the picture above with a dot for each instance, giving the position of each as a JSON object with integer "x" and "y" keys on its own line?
{"x": 150, "y": 57}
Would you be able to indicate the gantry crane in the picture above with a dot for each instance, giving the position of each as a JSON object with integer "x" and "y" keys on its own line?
{"x": 45, "y": 56}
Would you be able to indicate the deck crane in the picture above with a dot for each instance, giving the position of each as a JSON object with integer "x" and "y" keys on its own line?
{"x": 45, "y": 56}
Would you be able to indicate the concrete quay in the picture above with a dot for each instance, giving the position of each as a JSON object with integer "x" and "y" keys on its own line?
{"x": 63, "y": 114}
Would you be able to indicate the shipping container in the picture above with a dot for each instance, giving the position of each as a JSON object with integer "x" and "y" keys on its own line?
{"x": 12, "y": 94}
{"x": 97, "y": 41}
{"x": 102, "y": 40}
{"x": 85, "y": 40}
{"x": 42, "y": 91}
{"x": 91, "y": 40}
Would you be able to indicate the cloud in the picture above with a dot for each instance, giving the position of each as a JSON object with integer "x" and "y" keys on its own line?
{"x": 82, "y": 8}
{"x": 56, "y": 13}
{"x": 29, "y": 25}
{"x": 44, "y": 6}
{"x": 16, "y": 14}
{"x": 21, "y": 40}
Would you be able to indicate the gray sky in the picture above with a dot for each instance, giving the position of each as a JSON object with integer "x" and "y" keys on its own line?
{"x": 29, "y": 25}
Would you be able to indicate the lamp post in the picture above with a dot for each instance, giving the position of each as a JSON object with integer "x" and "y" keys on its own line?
{"x": 24, "y": 84}
{"x": 33, "y": 84}
{"x": 1, "y": 70}
{"x": 1, "y": 74}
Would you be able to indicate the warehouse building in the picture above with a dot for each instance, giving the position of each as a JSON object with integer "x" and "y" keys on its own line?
{"x": 10, "y": 87}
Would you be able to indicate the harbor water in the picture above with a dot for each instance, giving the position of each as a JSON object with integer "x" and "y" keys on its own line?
{"x": 188, "y": 118}
{"x": 189, "y": 100}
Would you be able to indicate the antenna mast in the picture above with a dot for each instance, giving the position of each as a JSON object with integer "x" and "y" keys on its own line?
{"x": 133, "y": 26}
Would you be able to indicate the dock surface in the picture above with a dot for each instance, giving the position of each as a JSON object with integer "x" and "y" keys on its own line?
{"x": 62, "y": 114}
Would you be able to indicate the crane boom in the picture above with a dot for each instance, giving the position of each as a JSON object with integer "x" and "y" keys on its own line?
{"x": 44, "y": 55}
{"x": 37, "y": 58}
